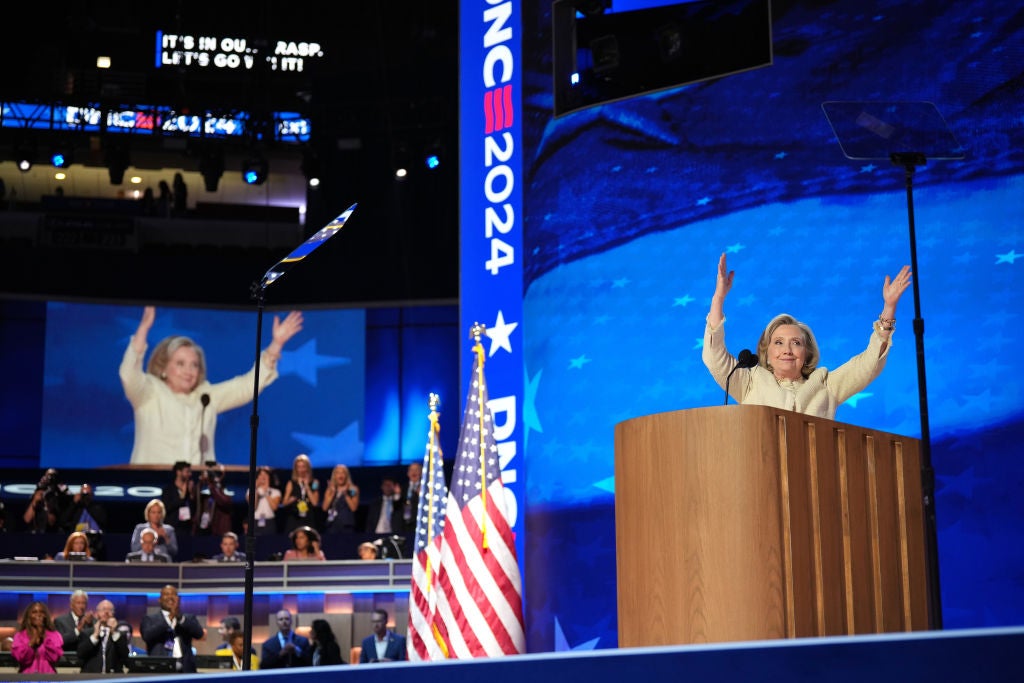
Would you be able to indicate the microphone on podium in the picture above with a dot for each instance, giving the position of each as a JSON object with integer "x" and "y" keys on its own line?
{"x": 204, "y": 443}
{"x": 746, "y": 359}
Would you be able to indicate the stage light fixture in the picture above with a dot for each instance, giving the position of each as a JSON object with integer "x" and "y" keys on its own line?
{"x": 255, "y": 170}
{"x": 117, "y": 160}
{"x": 60, "y": 159}
{"x": 311, "y": 168}
{"x": 401, "y": 162}
{"x": 211, "y": 167}
{"x": 24, "y": 156}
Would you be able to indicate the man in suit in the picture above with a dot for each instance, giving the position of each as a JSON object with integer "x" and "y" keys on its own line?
{"x": 77, "y": 621}
{"x": 412, "y": 496}
{"x": 105, "y": 650}
{"x": 229, "y": 551}
{"x": 384, "y": 515}
{"x": 150, "y": 551}
{"x": 286, "y": 648}
{"x": 168, "y": 632}
{"x": 384, "y": 645}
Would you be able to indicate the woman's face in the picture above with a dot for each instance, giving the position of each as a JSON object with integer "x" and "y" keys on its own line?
{"x": 341, "y": 476}
{"x": 154, "y": 516}
{"x": 182, "y": 371}
{"x": 262, "y": 480}
{"x": 37, "y": 616}
{"x": 78, "y": 544}
{"x": 301, "y": 540}
{"x": 302, "y": 467}
{"x": 787, "y": 351}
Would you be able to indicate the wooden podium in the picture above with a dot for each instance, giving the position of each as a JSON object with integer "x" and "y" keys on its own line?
{"x": 750, "y": 523}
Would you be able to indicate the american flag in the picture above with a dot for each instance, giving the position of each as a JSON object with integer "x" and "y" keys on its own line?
{"x": 479, "y": 610}
{"x": 421, "y": 643}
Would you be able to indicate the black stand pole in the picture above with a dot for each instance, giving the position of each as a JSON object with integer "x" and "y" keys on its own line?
{"x": 250, "y": 530}
{"x": 910, "y": 161}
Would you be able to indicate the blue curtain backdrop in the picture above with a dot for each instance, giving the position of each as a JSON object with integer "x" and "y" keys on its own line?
{"x": 629, "y": 205}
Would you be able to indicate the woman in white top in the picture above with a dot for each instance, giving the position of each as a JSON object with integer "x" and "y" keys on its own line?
{"x": 268, "y": 498}
{"x": 175, "y": 405}
{"x": 787, "y": 374}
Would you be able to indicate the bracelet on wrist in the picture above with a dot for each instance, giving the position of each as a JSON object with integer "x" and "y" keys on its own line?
{"x": 888, "y": 324}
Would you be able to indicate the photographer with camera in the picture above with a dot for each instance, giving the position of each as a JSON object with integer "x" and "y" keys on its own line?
{"x": 215, "y": 506}
{"x": 49, "y": 505}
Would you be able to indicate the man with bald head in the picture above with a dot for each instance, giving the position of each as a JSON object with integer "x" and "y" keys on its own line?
{"x": 286, "y": 648}
{"x": 105, "y": 650}
{"x": 168, "y": 632}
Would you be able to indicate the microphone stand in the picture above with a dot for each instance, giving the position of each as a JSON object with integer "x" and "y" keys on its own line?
{"x": 250, "y": 530}
{"x": 909, "y": 161}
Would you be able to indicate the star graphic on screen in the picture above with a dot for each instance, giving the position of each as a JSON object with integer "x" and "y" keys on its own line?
{"x": 562, "y": 645}
{"x": 343, "y": 448}
{"x": 305, "y": 362}
{"x": 579, "y": 361}
{"x": 530, "y": 417}
{"x": 620, "y": 283}
{"x": 963, "y": 483}
{"x": 499, "y": 334}
{"x": 703, "y": 201}
{"x": 868, "y": 169}
{"x": 682, "y": 300}
{"x": 607, "y": 484}
{"x": 734, "y": 248}
{"x": 781, "y": 155}
{"x": 698, "y": 343}
{"x": 852, "y": 401}
{"x": 1008, "y": 257}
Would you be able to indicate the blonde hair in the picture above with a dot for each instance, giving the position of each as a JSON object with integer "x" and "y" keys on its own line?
{"x": 165, "y": 349}
{"x": 301, "y": 457}
{"x": 813, "y": 355}
{"x": 156, "y": 502}
{"x": 341, "y": 468}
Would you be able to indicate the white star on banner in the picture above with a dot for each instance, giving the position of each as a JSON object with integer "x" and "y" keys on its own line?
{"x": 499, "y": 334}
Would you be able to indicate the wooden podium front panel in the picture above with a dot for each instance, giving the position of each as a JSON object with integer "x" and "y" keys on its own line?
{"x": 747, "y": 523}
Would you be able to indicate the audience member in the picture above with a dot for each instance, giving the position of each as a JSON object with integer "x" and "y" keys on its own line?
{"x": 301, "y": 496}
{"x": 215, "y": 506}
{"x": 128, "y": 634}
{"x": 180, "y": 196}
{"x": 106, "y": 648}
{"x": 285, "y": 649}
{"x": 326, "y": 650}
{"x": 147, "y": 203}
{"x": 179, "y": 498}
{"x": 174, "y": 404}
{"x": 148, "y": 551}
{"x": 341, "y": 500}
{"x": 229, "y": 551}
{"x": 163, "y": 199}
{"x": 235, "y": 647}
{"x": 412, "y": 496}
{"x": 84, "y": 513}
{"x": 169, "y": 632}
{"x": 384, "y": 645}
{"x": 76, "y": 547}
{"x": 165, "y": 534}
{"x": 268, "y": 498}
{"x": 37, "y": 645}
{"x": 367, "y": 551}
{"x": 48, "y": 506}
{"x": 76, "y": 621}
{"x": 228, "y": 626}
{"x": 305, "y": 546}
{"x": 384, "y": 515}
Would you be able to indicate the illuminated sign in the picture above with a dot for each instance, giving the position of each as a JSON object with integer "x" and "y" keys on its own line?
{"x": 234, "y": 54}
{"x": 491, "y": 260}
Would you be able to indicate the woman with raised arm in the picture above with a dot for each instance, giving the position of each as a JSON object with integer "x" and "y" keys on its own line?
{"x": 787, "y": 374}
{"x": 175, "y": 405}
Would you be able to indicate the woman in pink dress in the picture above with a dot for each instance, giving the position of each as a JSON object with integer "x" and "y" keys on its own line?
{"x": 37, "y": 645}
